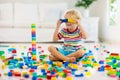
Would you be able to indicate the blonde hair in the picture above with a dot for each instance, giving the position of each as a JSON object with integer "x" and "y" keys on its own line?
{"x": 73, "y": 14}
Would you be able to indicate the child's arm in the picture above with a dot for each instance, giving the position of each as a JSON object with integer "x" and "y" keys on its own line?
{"x": 55, "y": 35}
{"x": 82, "y": 31}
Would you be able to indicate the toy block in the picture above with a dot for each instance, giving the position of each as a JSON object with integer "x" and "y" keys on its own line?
{"x": 101, "y": 62}
{"x": 59, "y": 64}
{"x": 88, "y": 74}
{"x": 1, "y": 53}
{"x": 42, "y": 79}
{"x": 10, "y": 73}
{"x": 70, "y": 20}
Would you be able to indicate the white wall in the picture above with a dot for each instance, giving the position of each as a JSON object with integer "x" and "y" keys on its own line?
{"x": 100, "y": 9}
{"x": 70, "y": 2}
{"x": 106, "y": 33}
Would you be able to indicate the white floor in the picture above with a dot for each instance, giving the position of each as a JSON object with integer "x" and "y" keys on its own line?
{"x": 99, "y": 54}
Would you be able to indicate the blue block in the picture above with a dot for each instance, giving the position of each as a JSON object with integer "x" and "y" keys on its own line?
{"x": 101, "y": 62}
{"x": 44, "y": 73}
{"x": 114, "y": 60}
{"x": 66, "y": 64}
{"x": 118, "y": 64}
{"x": 33, "y": 35}
{"x": 42, "y": 70}
{"x": 34, "y": 78}
{"x": 79, "y": 75}
{"x": 86, "y": 70}
{"x": 102, "y": 68}
{"x": 49, "y": 62}
{"x": 64, "y": 20}
{"x": 52, "y": 72}
{"x": 10, "y": 74}
{"x": 73, "y": 71}
{"x": 33, "y": 49}
{"x": 74, "y": 62}
{"x": 21, "y": 65}
{"x": 26, "y": 75}
{"x": 33, "y": 67}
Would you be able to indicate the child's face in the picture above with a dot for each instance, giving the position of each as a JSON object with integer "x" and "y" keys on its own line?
{"x": 70, "y": 25}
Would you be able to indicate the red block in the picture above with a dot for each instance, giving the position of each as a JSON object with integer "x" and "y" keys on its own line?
{"x": 14, "y": 51}
{"x": 42, "y": 51}
{"x": 31, "y": 70}
{"x": 17, "y": 74}
{"x": 39, "y": 79}
{"x": 114, "y": 54}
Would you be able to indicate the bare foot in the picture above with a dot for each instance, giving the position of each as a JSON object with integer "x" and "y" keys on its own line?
{"x": 52, "y": 58}
{"x": 71, "y": 59}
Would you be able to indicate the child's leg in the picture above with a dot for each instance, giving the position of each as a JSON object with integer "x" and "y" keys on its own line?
{"x": 58, "y": 55}
{"x": 53, "y": 58}
{"x": 77, "y": 54}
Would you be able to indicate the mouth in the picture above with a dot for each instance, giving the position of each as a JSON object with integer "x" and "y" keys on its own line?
{"x": 68, "y": 24}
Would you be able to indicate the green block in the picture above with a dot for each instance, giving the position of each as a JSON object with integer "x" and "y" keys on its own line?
{"x": 114, "y": 66}
{"x": 33, "y": 38}
{"x": 54, "y": 64}
{"x": 6, "y": 63}
{"x": 33, "y": 25}
{"x": 89, "y": 65}
{"x": 118, "y": 73}
{"x": 50, "y": 68}
{"x": 64, "y": 75}
{"x": 110, "y": 63}
{"x": 34, "y": 74}
{"x": 34, "y": 53}
{"x": 41, "y": 76}
{"x": 42, "y": 56}
{"x": 2, "y": 57}
{"x": 2, "y": 52}
{"x": 22, "y": 53}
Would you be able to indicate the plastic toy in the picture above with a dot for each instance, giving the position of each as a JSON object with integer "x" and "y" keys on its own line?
{"x": 33, "y": 33}
{"x": 70, "y": 20}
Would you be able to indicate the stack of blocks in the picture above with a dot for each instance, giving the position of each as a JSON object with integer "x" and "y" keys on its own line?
{"x": 33, "y": 33}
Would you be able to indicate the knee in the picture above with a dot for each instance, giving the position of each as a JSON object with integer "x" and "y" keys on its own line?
{"x": 81, "y": 53}
{"x": 50, "y": 48}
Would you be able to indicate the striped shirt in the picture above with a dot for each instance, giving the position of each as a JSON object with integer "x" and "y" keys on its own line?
{"x": 71, "y": 39}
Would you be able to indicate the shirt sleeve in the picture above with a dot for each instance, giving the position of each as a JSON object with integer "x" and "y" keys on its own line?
{"x": 80, "y": 34}
{"x": 60, "y": 34}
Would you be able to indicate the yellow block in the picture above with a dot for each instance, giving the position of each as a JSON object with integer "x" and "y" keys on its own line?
{"x": 53, "y": 78}
{"x": 88, "y": 74}
{"x": 96, "y": 65}
{"x": 60, "y": 74}
{"x": 69, "y": 78}
{"x": 91, "y": 57}
{"x": 3, "y": 66}
{"x": 34, "y": 56}
{"x": 70, "y": 20}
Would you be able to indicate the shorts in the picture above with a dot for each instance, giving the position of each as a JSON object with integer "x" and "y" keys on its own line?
{"x": 66, "y": 52}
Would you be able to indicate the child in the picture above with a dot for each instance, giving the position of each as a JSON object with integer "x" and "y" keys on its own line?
{"x": 72, "y": 35}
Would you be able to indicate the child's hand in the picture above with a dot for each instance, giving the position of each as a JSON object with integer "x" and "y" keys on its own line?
{"x": 59, "y": 22}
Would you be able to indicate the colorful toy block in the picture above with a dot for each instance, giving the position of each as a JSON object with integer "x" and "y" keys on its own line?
{"x": 33, "y": 34}
{"x": 70, "y": 20}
